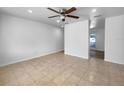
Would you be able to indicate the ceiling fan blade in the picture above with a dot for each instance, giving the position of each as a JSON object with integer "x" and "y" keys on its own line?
{"x": 72, "y": 16}
{"x": 70, "y": 10}
{"x": 54, "y": 16}
{"x": 53, "y": 10}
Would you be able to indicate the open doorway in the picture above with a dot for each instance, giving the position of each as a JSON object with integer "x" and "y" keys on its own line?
{"x": 96, "y": 38}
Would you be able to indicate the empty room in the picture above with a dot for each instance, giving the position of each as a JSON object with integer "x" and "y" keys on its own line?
{"x": 61, "y": 46}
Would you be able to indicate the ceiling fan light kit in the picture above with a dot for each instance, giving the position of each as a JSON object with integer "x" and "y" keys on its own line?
{"x": 58, "y": 21}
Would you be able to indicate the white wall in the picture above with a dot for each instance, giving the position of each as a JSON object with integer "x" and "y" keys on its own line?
{"x": 100, "y": 38}
{"x": 22, "y": 39}
{"x": 76, "y": 39}
{"x": 114, "y": 39}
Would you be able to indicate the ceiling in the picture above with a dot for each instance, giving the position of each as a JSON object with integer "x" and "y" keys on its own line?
{"x": 42, "y": 14}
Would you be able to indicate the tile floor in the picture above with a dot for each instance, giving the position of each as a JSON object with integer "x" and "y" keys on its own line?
{"x": 62, "y": 70}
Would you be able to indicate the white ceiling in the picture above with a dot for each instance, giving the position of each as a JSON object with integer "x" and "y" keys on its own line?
{"x": 42, "y": 14}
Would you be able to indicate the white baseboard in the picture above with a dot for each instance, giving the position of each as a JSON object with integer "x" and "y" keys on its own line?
{"x": 97, "y": 49}
{"x": 113, "y": 61}
{"x": 31, "y": 57}
{"x": 76, "y": 56}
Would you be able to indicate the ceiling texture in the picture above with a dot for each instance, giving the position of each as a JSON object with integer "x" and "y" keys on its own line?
{"x": 41, "y": 14}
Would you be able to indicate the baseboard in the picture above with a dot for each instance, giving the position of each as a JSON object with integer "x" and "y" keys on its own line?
{"x": 76, "y": 56}
{"x": 97, "y": 50}
{"x": 107, "y": 60}
{"x": 31, "y": 57}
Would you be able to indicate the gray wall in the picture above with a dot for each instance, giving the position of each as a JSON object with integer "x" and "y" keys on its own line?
{"x": 76, "y": 39}
{"x": 22, "y": 39}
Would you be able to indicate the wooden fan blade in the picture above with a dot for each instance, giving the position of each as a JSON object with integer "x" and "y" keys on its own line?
{"x": 70, "y": 10}
{"x": 53, "y": 10}
{"x": 72, "y": 16}
{"x": 54, "y": 16}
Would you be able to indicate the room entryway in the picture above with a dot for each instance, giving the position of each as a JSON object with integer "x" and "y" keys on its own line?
{"x": 96, "y": 38}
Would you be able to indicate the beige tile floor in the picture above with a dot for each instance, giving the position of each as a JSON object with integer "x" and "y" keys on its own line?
{"x": 59, "y": 69}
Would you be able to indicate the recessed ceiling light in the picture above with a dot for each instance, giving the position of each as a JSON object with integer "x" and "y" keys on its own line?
{"x": 94, "y": 10}
{"x": 29, "y": 11}
{"x": 57, "y": 21}
{"x": 92, "y": 26}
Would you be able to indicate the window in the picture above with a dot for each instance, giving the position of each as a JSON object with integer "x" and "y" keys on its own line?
{"x": 93, "y": 40}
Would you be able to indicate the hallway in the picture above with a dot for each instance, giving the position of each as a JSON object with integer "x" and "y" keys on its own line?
{"x": 96, "y": 54}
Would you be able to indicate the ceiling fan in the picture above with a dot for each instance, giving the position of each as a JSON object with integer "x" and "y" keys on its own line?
{"x": 63, "y": 13}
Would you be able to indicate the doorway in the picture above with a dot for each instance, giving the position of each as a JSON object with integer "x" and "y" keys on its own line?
{"x": 96, "y": 39}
